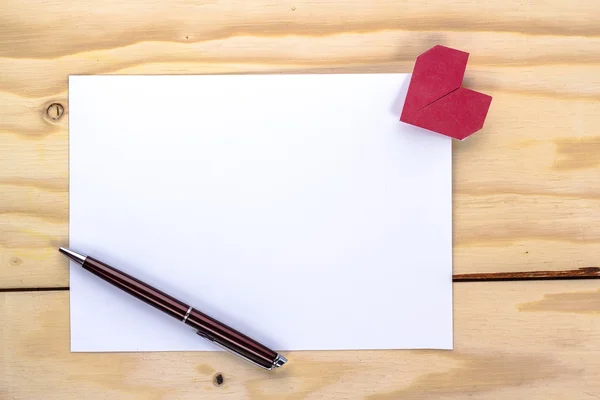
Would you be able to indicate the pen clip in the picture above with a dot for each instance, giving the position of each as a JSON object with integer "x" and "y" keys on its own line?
{"x": 229, "y": 349}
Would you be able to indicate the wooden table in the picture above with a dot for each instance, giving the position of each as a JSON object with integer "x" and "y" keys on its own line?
{"x": 526, "y": 189}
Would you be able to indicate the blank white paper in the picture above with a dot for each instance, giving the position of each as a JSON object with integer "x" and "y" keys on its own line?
{"x": 297, "y": 209}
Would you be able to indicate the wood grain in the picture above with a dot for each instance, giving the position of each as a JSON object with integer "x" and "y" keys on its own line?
{"x": 526, "y": 187}
{"x": 517, "y": 340}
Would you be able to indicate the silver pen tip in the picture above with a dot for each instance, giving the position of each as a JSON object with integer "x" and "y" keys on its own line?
{"x": 73, "y": 255}
{"x": 279, "y": 361}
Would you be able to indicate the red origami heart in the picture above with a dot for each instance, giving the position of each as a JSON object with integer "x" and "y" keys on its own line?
{"x": 436, "y": 100}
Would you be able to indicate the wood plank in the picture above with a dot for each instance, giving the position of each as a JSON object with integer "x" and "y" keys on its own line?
{"x": 517, "y": 340}
{"x": 526, "y": 187}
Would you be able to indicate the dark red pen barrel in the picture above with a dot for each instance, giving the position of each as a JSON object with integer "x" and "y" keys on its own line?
{"x": 205, "y": 325}
{"x": 135, "y": 287}
{"x": 230, "y": 338}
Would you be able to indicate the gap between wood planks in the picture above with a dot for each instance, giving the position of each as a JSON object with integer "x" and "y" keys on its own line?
{"x": 580, "y": 273}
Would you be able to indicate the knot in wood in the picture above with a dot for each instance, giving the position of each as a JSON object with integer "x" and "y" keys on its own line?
{"x": 55, "y": 111}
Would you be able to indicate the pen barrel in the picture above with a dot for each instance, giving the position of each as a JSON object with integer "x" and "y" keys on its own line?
{"x": 135, "y": 287}
{"x": 206, "y": 326}
{"x": 230, "y": 339}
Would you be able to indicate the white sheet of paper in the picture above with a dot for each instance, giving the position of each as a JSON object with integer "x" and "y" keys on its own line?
{"x": 296, "y": 208}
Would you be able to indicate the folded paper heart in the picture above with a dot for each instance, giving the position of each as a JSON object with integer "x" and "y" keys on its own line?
{"x": 436, "y": 100}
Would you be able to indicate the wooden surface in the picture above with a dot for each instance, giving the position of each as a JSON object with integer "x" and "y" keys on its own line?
{"x": 526, "y": 188}
{"x": 517, "y": 340}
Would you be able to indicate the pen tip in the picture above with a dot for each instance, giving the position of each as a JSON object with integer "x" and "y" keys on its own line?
{"x": 73, "y": 255}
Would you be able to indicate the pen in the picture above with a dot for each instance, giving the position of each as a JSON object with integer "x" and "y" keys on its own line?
{"x": 205, "y": 326}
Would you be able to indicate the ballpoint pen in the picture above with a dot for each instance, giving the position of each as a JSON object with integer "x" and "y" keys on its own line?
{"x": 205, "y": 326}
